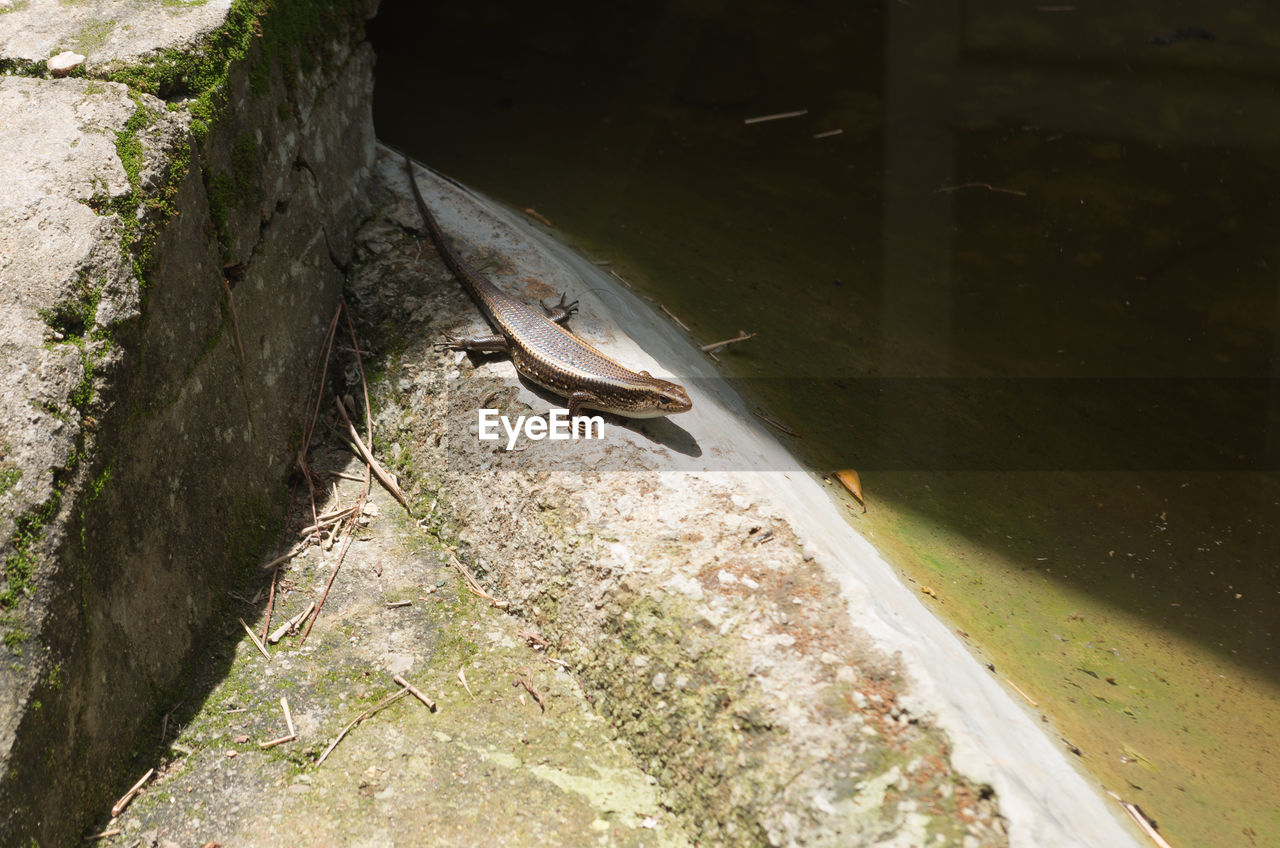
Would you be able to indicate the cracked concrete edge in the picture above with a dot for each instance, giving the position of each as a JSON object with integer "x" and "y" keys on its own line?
{"x": 148, "y": 406}
{"x": 577, "y": 552}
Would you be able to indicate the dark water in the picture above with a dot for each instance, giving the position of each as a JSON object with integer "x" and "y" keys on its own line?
{"x": 1029, "y": 289}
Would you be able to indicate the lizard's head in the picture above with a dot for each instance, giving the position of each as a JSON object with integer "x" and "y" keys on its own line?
{"x": 669, "y": 398}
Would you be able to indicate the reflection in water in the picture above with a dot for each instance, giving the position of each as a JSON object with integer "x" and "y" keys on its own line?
{"x": 1029, "y": 289}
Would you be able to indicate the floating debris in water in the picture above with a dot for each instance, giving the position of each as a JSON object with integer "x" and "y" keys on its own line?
{"x": 776, "y": 117}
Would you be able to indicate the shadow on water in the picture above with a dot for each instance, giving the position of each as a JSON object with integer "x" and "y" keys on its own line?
{"x": 1028, "y": 289}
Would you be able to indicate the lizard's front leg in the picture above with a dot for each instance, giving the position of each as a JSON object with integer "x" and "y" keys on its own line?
{"x": 560, "y": 313}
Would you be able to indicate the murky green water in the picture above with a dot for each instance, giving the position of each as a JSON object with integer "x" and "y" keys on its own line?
{"x": 1029, "y": 291}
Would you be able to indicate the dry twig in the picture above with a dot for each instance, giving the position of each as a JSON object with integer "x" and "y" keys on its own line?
{"x": 277, "y": 741}
{"x": 1145, "y": 823}
{"x": 473, "y": 584}
{"x": 324, "y": 521}
{"x": 766, "y": 419}
{"x": 106, "y": 834}
{"x": 256, "y": 641}
{"x": 1028, "y": 698}
{"x": 291, "y": 624}
{"x": 376, "y": 708}
{"x": 383, "y": 477}
{"x": 342, "y": 553}
{"x": 776, "y": 117}
{"x": 293, "y": 552}
{"x": 673, "y": 317}
{"x": 987, "y": 186}
{"x": 537, "y": 216}
{"x": 431, "y": 705}
{"x": 522, "y": 679}
{"x": 288, "y": 716}
{"x": 742, "y": 336}
{"x": 118, "y": 807}
{"x": 462, "y": 676}
{"x": 235, "y": 324}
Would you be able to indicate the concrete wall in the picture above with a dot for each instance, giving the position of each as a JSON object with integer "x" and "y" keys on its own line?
{"x": 174, "y": 230}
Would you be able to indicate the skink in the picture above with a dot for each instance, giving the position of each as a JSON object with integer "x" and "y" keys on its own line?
{"x": 548, "y": 354}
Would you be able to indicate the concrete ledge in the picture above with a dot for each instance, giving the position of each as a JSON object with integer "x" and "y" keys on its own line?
{"x": 167, "y": 271}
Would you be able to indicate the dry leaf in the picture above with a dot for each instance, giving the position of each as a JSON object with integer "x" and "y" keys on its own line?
{"x": 851, "y": 481}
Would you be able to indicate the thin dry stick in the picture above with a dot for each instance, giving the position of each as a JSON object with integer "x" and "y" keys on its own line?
{"x": 742, "y": 336}
{"x": 431, "y": 705}
{"x": 118, "y": 807}
{"x": 473, "y": 584}
{"x": 340, "y": 512}
{"x": 364, "y": 384}
{"x": 342, "y": 553}
{"x": 316, "y": 392}
{"x": 325, "y": 521}
{"x": 1145, "y": 824}
{"x": 987, "y": 186}
{"x": 106, "y": 834}
{"x": 321, "y": 366}
{"x": 271, "y": 602}
{"x": 275, "y": 564}
{"x": 777, "y": 117}
{"x": 672, "y": 316}
{"x": 378, "y": 707}
{"x": 1029, "y": 699}
{"x": 383, "y": 477}
{"x": 462, "y": 676}
{"x": 522, "y": 679}
{"x": 280, "y": 631}
{"x": 235, "y": 325}
{"x": 256, "y": 641}
{"x": 293, "y": 552}
{"x": 774, "y": 422}
{"x": 538, "y": 216}
{"x": 828, "y": 133}
{"x": 277, "y": 741}
{"x": 288, "y": 716}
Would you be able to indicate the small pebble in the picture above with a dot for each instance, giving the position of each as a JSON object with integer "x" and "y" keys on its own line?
{"x": 64, "y": 63}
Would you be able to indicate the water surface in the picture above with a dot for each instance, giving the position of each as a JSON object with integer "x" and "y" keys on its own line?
{"x": 1028, "y": 290}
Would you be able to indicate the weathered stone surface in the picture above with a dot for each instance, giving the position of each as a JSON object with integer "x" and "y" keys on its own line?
{"x": 60, "y": 148}
{"x": 153, "y": 368}
{"x": 490, "y": 766}
{"x": 107, "y": 33}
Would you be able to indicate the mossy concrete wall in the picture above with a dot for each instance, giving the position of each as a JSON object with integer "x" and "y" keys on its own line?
{"x": 174, "y": 231}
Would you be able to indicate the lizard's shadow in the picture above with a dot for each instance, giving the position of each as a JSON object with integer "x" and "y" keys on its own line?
{"x": 662, "y": 431}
